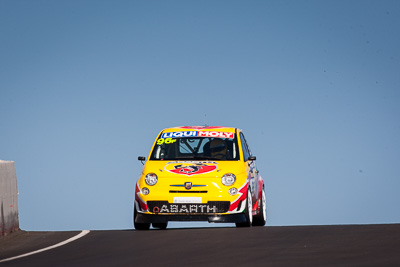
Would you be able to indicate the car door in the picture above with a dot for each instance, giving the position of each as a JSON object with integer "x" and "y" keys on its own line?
{"x": 252, "y": 170}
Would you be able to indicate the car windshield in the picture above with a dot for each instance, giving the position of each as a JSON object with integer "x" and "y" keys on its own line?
{"x": 189, "y": 146}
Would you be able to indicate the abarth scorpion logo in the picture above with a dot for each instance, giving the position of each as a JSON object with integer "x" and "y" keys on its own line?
{"x": 188, "y": 185}
{"x": 191, "y": 167}
{"x": 188, "y": 169}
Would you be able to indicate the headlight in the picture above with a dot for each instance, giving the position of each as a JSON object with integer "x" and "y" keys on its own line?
{"x": 233, "y": 191}
{"x": 145, "y": 191}
{"x": 228, "y": 179}
{"x": 151, "y": 179}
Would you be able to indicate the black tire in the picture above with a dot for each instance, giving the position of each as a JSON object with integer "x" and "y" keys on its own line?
{"x": 161, "y": 226}
{"x": 248, "y": 212}
{"x": 139, "y": 226}
{"x": 261, "y": 218}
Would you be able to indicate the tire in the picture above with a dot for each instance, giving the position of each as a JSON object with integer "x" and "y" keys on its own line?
{"x": 139, "y": 226}
{"x": 248, "y": 212}
{"x": 161, "y": 226}
{"x": 261, "y": 218}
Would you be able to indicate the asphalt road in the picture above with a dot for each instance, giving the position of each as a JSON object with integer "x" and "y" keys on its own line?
{"x": 338, "y": 245}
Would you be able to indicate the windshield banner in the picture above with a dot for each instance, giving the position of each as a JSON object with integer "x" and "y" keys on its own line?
{"x": 198, "y": 134}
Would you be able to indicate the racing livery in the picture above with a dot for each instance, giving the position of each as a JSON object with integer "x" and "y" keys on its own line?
{"x": 199, "y": 173}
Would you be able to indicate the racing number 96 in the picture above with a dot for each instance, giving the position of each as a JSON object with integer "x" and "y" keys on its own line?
{"x": 165, "y": 141}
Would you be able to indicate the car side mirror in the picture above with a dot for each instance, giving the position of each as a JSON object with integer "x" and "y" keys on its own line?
{"x": 252, "y": 158}
{"x": 141, "y": 158}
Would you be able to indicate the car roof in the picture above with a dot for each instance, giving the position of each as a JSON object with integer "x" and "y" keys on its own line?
{"x": 200, "y": 128}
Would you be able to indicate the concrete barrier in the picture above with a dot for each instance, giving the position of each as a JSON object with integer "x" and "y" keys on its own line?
{"x": 9, "y": 221}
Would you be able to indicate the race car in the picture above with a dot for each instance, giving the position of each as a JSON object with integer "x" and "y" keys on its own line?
{"x": 199, "y": 173}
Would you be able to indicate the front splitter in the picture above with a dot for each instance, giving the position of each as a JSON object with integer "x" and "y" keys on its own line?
{"x": 152, "y": 218}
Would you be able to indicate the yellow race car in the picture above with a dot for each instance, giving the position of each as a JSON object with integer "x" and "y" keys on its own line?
{"x": 200, "y": 173}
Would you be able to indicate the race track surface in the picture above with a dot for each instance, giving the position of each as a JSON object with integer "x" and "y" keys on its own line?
{"x": 338, "y": 245}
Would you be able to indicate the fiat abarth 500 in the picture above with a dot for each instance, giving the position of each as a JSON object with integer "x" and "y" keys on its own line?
{"x": 199, "y": 173}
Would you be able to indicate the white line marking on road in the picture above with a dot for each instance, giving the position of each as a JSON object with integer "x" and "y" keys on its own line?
{"x": 83, "y": 233}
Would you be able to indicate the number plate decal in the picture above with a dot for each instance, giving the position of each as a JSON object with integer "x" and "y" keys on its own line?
{"x": 188, "y": 200}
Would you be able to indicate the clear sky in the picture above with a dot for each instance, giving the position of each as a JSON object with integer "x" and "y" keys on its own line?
{"x": 85, "y": 87}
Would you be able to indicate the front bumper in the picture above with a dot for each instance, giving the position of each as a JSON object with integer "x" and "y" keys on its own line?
{"x": 229, "y": 218}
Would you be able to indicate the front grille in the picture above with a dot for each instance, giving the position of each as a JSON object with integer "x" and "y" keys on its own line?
{"x": 187, "y": 208}
{"x": 193, "y": 191}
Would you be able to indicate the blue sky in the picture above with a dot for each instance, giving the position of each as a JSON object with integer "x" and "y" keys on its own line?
{"x": 85, "y": 87}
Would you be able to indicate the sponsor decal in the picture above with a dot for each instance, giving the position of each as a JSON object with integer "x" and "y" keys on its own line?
{"x": 186, "y": 208}
{"x": 179, "y": 134}
{"x": 166, "y": 141}
{"x": 214, "y": 134}
{"x": 190, "y": 168}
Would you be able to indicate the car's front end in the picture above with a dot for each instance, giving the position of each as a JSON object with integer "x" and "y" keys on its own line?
{"x": 193, "y": 174}
{"x": 191, "y": 191}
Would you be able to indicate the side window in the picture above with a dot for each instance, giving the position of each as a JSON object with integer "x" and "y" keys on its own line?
{"x": 246, "y": 152}
{"x": 248, "y": 147}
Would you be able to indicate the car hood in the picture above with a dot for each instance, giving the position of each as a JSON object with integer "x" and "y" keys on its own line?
{"x": 193, "y": 169}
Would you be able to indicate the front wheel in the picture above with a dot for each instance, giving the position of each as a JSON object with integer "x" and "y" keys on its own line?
{"x": 248, "y": 212}
{"x": 139, "y": 226}
{"x": 261, "y": 218}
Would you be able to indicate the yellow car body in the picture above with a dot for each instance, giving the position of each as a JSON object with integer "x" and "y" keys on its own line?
{"x": 199, "y": 173}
